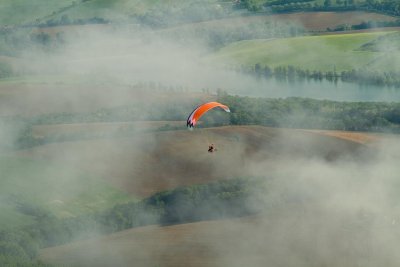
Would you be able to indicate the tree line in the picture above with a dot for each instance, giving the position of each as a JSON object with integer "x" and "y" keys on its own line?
{"x": 291, "y": 73}
{"x": 294, "y": 112}
{"x": 289, "y": 112}
{"x": 390, "y": 7}
{"x": 365, "y": 25}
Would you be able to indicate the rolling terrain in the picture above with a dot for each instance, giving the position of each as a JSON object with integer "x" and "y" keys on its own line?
{"x": 21, "y": 11}
{"x": 153, "y": 162}
{"x": 326, "y": 52}
{"x": 194, "y": 244}
{"x": 97, "y": 167}
{"x": 149, "y": 161}
{"x": 31, "y": 186}
{"x": 311, "y": 21}
{"x": 285, "y": 237}
{"x": 120, "y": 10}
{"x": 310, "y": 228}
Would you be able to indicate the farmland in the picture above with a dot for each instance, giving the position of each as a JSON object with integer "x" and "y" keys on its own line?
{"x": 254, "y": 241}
{"x": 311, "y": 21}
{"x": 48, "y": 10}
{"x": 327, "y": 52}
{"x": 147, "y": 163}
{"x": 242, "y": 151}
{"x": 143, "y": 165}
{"x": 27, "y": 11}
{"x": 32, "y": 185}
{"x": 291, "y": 204}
{"x": 98, "y": 168}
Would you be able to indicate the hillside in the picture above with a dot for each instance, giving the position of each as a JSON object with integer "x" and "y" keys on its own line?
{"x": 196, "y": 244}
{"x": 162, "y": 13}
{"x": 389, "y": 42}
{"x": 312, "y": 21}
{"x": 327, "y": 52}
{"x": 322, "y": 205}
{"x": 91, "y": 175}
{"x": 98, "y": 168}
{"x": 67, "y": 11}
{"x": 285, "y": 237}
{"x": 149, "y": 163}
{"x": 21, "y": 11}
{"x": 317, "y": 208}
{"x": 31, "y": 188}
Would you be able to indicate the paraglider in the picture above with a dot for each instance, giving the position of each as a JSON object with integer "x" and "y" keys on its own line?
{"x": 200, "y": 111}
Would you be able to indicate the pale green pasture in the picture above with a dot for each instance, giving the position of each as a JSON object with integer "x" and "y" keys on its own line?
{"x": 10, "y": 217}
{"x": 324, "y": 52}
{"x": 117, "y": 9}
{"x": 24, "y": 11}
{"x": 48, "y": 187}
{"x": 52, "y": 79}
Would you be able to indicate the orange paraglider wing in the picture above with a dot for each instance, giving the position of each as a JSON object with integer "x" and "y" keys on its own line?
{"x": 201, "y": 110}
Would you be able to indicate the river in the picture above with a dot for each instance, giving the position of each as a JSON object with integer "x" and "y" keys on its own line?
{"x": 324, "y": 89}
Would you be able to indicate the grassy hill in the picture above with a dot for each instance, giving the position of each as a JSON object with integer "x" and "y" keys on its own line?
{"x": 21, "y": 11}
{"x": 33, "y": 187}
{"x": 41, "y": 11}
{"x": 325, "y": 52}
{"x": 388, "y": 42}
{"x": 154, "y": 12}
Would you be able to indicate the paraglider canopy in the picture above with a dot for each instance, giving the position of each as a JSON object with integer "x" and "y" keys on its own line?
{"x": 201, "y": 110}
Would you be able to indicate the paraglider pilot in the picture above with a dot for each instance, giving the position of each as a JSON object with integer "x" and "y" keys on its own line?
{"x": 211, "y": 148}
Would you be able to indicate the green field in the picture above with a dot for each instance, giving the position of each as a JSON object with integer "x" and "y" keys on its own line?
{"x": 22, "y": 11}
{"x": 102, "y": 7}
{"x": 31, "y": 187}
{"x": 324, "y": 52}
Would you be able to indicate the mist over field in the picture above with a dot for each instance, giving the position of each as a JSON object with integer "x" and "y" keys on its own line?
{"x": 341, "y": 213}
{"x": 98, "y": 169}
{"x": 315, "y": 208}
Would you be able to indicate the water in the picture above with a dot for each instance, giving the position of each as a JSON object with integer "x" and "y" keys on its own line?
{"x": 323, "y": 90}
{"x": 235, "y": 83}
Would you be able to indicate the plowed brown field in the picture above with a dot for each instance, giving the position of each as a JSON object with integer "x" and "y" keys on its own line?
{"x": 151, "y": 162}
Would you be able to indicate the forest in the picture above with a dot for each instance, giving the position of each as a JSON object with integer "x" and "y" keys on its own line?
{"x": 390, "y": 7}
